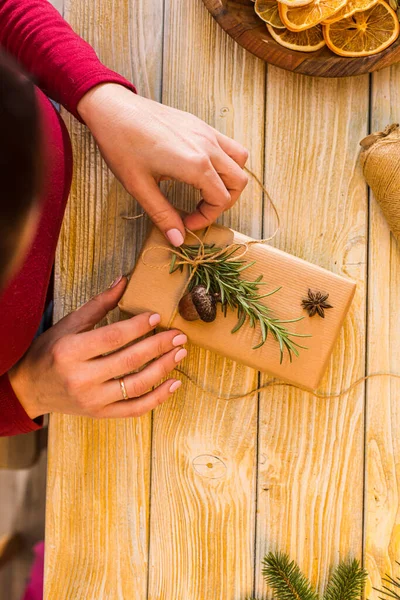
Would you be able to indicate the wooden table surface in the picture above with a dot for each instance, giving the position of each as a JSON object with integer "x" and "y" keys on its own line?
{"x": 182, "y": 504}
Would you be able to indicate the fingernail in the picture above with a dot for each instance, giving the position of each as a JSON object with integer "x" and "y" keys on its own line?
{"x": 175, "y": 237}
{"x": 175, "y": 386}
{"x": 180, "y": 355}
{"x": 154, "y": 319}
{"x": 179, "y": 340}
{"x": 115, "y": 282}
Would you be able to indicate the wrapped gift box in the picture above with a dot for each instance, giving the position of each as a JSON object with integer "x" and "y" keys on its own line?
{"x": 152, "y": 287}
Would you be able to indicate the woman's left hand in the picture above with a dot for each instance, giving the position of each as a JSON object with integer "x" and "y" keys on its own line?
{"x": 144, "y": 142}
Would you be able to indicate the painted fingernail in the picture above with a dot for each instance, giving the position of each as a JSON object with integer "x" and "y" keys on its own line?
{"x": 179, "y": 340}
{"x": 115, "y": 282}
{"x": 175, "y": 386}
{"x": 154, "y": 319}
{"x": 175, "y": 237}
{"x": 180, "y": 355}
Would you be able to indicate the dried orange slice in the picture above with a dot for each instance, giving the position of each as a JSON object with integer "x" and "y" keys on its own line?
{"x": 304, "y": 17}
{"x": 364, "y": 33}
{"x": 295, "y": 2}
{"x": 305, "y": 41}
{"x": 349, "y": 9}
{"x": 268, "y": 11}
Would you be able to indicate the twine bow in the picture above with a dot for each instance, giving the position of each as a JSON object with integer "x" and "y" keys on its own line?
{"x": 202, "y": 256}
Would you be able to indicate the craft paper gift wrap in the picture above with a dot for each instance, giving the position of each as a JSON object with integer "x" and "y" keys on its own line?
{"x": 152, "y": 287}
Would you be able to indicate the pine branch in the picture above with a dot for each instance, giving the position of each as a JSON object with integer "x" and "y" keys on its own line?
{"x": 347, "y": 581}
{"x": 392, "y": 592}
{"x": 286, "y": 579}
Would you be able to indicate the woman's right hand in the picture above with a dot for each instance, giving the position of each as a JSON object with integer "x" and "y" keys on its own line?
{"x": 65, "y": 369}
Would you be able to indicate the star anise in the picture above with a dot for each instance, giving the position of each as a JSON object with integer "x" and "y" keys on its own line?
{"x": 316, "y": 303}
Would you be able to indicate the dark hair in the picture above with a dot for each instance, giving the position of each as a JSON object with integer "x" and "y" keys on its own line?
{"x": 19, "y": 155}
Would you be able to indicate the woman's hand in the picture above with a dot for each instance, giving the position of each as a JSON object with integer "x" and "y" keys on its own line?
{"x": 65, "y": 370}
{"x": 144, "y": 142}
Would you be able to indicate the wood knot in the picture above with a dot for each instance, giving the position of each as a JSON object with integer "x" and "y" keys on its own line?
{"x": 209, "y": 466}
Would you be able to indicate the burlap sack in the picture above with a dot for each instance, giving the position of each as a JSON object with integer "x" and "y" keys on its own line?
{"x": 380, "y": 160}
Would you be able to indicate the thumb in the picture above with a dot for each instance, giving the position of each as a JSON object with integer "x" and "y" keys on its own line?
{"x": 160, "y": 211}
{"x": 88, "y": 315}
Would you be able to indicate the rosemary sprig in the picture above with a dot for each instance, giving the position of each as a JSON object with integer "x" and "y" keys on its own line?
{"x": 223, "y": 278}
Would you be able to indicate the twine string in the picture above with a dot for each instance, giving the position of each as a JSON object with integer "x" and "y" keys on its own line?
{"x": 275, "y": 383}
{"x": 211, "y": 257}
{"x": 239, "y": 249}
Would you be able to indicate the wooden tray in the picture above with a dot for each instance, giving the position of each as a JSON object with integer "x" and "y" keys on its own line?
{"x": 239, "y": 20}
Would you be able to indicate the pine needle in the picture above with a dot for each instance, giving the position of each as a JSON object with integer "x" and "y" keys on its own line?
{"x": 347, "y": 581}
{"x": 389, "y": 592}
{"x": 286, "y": 579}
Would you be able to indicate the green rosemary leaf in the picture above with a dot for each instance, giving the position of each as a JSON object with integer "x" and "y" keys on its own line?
{"x": 240, "y": 322}
{"x": 185, "y": 252}
{"x": 172, "y": 265}
{"x": 245, "y": 266}
{"x": 270, "y": 294}
{"x": 264, "y": 333}
{"x": 244, "y": 303}
{"x": 229, "y": 287}
{"x": 264, "y": 329}
{"x": 229, "y": 253}
{"x": 230, "y": 303}
{"x": 281, "y": 347}
{"x": 222, "y": 292}
{"x": 293, "y": 321}
{"x": 295, "y": 345}
{"x": 207, "y": 278}
{"x": 292, "y": 347}
{"x": 258, "y": 345}
{"x": 289, "y": 352}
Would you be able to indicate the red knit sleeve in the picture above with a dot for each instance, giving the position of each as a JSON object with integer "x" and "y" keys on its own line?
{"x": 13, "y": 418}
{"x": 64, "y": 65}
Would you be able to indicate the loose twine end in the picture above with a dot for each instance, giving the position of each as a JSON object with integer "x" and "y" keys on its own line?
{"x": 275, "y": 383}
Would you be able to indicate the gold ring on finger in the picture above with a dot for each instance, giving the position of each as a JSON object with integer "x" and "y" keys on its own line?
{"x": 123, "y": 389}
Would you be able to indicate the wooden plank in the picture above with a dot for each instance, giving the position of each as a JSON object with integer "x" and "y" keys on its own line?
{"x": 382, "y": 513}
{"x": 99, "y": 472}
{"x": 310, "y": 476}
{"x": 204, "y": 450}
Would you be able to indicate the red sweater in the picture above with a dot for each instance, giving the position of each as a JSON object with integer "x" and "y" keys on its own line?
{"x": 65, "y": 68}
